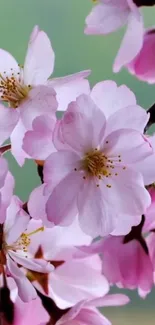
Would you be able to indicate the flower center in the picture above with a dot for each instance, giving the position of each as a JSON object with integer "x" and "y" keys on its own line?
{"x": 95, "y": 163}
{"x": 23, "y": 242}
{"x": 12, "y": 89}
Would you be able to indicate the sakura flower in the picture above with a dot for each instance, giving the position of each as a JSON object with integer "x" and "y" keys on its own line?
{"x": 108, "y": 16}
{"x": 142, "y": 66}
{"x": 114, "y": 101}
{"x": 73, "y": 279}
{"x": 29, "y": 91}
{"x": 127, "y": 262}
{"x": 85, "y": 312}
{"x": 96, "y": 165}
{"x": 14, "y": 242}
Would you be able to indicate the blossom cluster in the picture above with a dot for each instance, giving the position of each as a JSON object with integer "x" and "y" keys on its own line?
{"x": 91, "y": 222}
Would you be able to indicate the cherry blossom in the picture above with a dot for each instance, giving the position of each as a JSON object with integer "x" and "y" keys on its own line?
{"x": 28, "y": 90}
{"x": 14, "y": 242}
{"x": 132, "y": 256}
{"x": 73, "y": 279}
{"x": 95, "y": 162}
{"x": 126, "y": 263}
{"x": 108, "y": 16}
{"x": 86, "y": 313}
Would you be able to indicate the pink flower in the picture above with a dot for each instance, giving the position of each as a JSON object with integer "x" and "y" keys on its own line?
{"x": 108, "y": 16}
{"x": 29, "y": 91}
{"x": 86, "y": 313}
{"x": 97, "y": 165}
{"x": 113, "y": 101}
{"x": 73, "y": 279}
{"x": 127, "y": 262}
{"x": 14, "y": 242}
{"x": 142, "y": 66}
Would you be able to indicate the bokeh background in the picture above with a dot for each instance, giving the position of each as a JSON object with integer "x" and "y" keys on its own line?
{"x": 63, "y": 20}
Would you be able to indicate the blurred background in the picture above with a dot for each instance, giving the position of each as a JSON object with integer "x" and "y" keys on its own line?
{"x": 63, "y": 20}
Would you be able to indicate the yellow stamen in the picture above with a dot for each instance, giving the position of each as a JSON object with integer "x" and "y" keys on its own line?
{"x": 12, "y": 89}
{"x": 96, "y": 164}
{"x": 23, "y": 242}
{"x": 35, "y": 231}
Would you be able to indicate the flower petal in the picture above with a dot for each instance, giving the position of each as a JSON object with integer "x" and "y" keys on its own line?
{"x": 3, "y": 171}
{"x": 90, "y": 316}
{"x": 38, "y": 143}
{"x": 34, "y": 264}
{"x": 132, "y": 42}
{"x": 125, "y": 223}
{"x": 53, "y": 171}
{"x": 142, "y": 66}
{"x": 6, "y": 193}
{"x": 63, "y": 240}
{"x": 105, "y": 18}
{"x": 16, "y": 143}
{"x": 110, "y": 98}
{"x": 110, "y": 300}
{"x": 16, "y": 221}
{"x": 26, "y": 290}
{"x": 41, "y": 101}
{"x": 37, "y": 203}
{"x": 39, "y": 61}
{"x": 83, "y": 124}
{"x": 127, "y": 194}
{"x": 31, "y": 312}
{"x": 76, "y": 280}
{"x": 8, "y": 121}
{"x": 71, "y": 314}
{"x": 68, "y": 88}
{"x": 131, "y": 117}
{"x": 146, "y": 168}
{"x": 61, "y": 209}
{"x": 58, "y": 140}
{"x": 127, "y": 264}
{"x": 128, "y": 145}
{"x": 8, "y": 64}
{"x": 96, "y": 217}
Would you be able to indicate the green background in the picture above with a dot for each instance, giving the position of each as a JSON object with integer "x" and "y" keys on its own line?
{"x": 63, "y": 20}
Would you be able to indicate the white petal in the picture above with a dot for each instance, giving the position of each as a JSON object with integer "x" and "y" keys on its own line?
{"x": 39, "y": 61}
